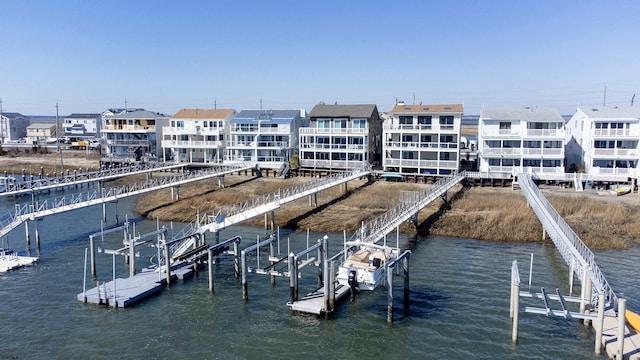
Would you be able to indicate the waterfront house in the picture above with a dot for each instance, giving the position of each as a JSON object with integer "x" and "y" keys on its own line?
{"x": 341, "y": 137}
{"x": 512, "y": 140}
{"x": 13, "y": 126}
{"x": 604, "y": 140}
{"x": 41, "y": 133}
{"x": 266, "y": 137}
{"x": 131, "y": 135}
{"x": 422, "y": 139}
{"x": 82, "y": 126}
{"x": 197, "y": 136}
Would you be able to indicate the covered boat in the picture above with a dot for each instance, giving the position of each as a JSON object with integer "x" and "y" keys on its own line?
{"x": 365, "y": 265}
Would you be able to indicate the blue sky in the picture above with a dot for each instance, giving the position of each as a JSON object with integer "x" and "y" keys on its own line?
{"x": 168, "y": 55}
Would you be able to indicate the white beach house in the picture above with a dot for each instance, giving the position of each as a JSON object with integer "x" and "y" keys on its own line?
{"x": 266, "y": 137}
{"x": 197, "y": 135}
{"x": 422, "y": 139}
{"x": 604, "y": 140}
{"x": 512, "y": 140}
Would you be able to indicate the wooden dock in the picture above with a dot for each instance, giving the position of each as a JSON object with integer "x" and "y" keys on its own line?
{"x": 12, "y": 261}
{"x": 313, "y": 303}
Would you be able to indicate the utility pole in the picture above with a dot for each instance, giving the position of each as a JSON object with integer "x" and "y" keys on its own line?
{"x": 2, "y": 127}
{"x": 261, "y": 103}
{"x": 58, "y": 142}
{"x": 604, "y": 101}
{"x": 215, "y": 104}
{"x": 632, "y": 98}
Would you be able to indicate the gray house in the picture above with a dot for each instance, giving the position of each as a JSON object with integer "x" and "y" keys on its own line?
{"x": 13, "y": 126}
{"x": 341, "y": 137}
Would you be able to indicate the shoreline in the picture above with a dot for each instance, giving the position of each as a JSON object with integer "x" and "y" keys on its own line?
{"x": 493, "y": 214}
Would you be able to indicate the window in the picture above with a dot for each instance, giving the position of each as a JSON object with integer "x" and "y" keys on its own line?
{"x": 360, "y": 124}
{"x": 505, "y": 125}
{"x": 340, "y": 123}
{"x": 530, "y": 144}
{"x": 424, "y": 120}
{"x": 324, "y": 123}
{"x": 531, "y": 162}
{"x": 446, "y": 138}
{"x": 406, "y": 120}
{"x": 446, "y": 120}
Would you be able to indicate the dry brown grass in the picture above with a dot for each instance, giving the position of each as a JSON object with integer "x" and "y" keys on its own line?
{"x": 15, "y": 162}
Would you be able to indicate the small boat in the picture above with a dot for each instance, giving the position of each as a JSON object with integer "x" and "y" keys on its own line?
{"x": 365, "y": 265}
{"x": 620, "y": 190}
{"x": 633, "y": 319}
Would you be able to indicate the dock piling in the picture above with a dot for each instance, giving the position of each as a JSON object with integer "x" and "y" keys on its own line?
{"x": 622, "y": 308}
{"x": 600, "y": 324}
{"x": 210, "y": 261}
{"x": 93, "y": 255}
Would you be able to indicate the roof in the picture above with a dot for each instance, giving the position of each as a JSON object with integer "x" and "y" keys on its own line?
{"x": 13, "y": 115}
{"x": 351, "y": 111}
{"x": 595, "y": 112}
{"x": 83, "y": 116}
{"x": 267, "y": 116}
{"x": 40, "y": 126}
{"x": 443, "y": 108}
{"x": 137, "y": 114}
{"x": 202, "y": 113}
{"x": 526, "y": 114}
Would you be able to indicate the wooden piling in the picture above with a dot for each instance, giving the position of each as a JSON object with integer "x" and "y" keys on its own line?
{"x": 210, "y": 262}
{"x": 92, "y": 251}
{"x": 622, "y": 309}
{"x": 600, "y": 324}
{"x": 245, "y": 290}
{"x": 405, "y": 270}
{"x": 389, "y": 295}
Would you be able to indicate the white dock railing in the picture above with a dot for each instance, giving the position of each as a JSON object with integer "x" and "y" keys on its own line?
{"x": 573, "y": 250}
{"x": 377, "y": 228}
{"x": 39, "y": 208}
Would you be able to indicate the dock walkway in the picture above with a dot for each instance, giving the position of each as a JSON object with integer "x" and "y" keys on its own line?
{"x": 313, "y": 303}
{"x": 13, "y": 261}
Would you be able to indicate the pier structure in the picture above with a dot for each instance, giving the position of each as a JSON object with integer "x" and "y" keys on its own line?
{"x": 43, "y": 182}
{"x": 597, "y": 303}
{"x": 39, "y": 208}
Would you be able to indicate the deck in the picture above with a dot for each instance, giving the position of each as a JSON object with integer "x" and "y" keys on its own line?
{"x": 11, "y": 262}
{"x": 313, "y": 303}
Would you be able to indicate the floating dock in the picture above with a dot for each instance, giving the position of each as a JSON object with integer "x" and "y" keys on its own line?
{"x": 313, "y": 303}
{"x": 135, "y": 288}
{"x": 13, "y": 261}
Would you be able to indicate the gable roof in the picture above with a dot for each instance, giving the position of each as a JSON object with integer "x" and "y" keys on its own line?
{"x": 13, "y": 115}
{"x": 83, "y": 116}
{"x": 137, "y": 114}
{"x": 442, "y": 108}
{"x": 202, "y": 113}
{"x": 526, "y": 114}
{"x": 595, "y": 112}
{"x": 369, "y": 111}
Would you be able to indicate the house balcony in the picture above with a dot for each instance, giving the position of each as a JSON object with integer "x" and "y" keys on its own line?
{"x": 616, "y": 153}
{"x": 259, "y": 144}
{"x": 128, "y": 128}
{"x": 545, "y": 133}
{"x": 331, "y": 164}
{"x": 190, "y": 144}
{"x": 328, "y": 131}
{"x": 431, "y": 164}
{"x": 340, "y": 147}
{"x": 612, "y": 171}
{"x": 198, "y": 130}
{"x": 265, "y": 130}
{"x": 128, "y": 142}
{"x": 615, "y": 133}
{"x": 498, "y": 152}
{"x": 390, "y": 145}
{"x": 502, "y": 134}
{"x": 426, "y": 128}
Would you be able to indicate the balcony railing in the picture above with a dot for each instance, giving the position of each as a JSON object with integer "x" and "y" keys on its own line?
{"x": 502, "y": 133}
{"x": 311, "y": 131}
{"x": 333, "y": 147}
{"x": 265, "y": 130}
{"x": 331, "y": 164}
{"x": 420, "y": 145}
{"x": 190, "y": 144}
{"x": 168, "y": 130}
{"x": 613, "y": 132}
{"x": 615, "y": 153}
{"x": 259, "y": 144}
{"x": 612, "y": 171}
{"x": 559, "y": 133}
{"x": 129, "y": 128}
{"x": 128, "y": 142}
{"x": 435, "y": 164}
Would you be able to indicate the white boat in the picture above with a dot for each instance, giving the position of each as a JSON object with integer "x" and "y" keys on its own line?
{"x": 365, "y": 265}
{"x": 620, "y": 190}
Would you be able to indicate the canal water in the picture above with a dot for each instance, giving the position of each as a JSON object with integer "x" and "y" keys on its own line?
{"x": 459, "y": 309}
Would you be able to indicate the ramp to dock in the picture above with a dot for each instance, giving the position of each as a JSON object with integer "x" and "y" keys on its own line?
{"x": 313, "y": 303}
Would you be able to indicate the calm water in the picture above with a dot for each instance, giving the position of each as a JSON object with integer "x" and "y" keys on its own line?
{"x": 459, "y": 305}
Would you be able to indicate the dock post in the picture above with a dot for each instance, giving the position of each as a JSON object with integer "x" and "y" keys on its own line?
{"x": 405, "y": 270}
{"x": 600, "y": 323}
{"x": 622, "y": 308}
{"x": 389, "y": 294}
{"x": 245, "y": 292}
{"x": 104, "y": 212}
{"x": 221, "y": 181}
{"x": 210, "y": 258}
{"x": 332, "y": 285}
{"x": 266, "y": 220}
{"x": 132, "y": 256}
{"x": 37, "y": 235}
{"x": 92, "y": 249}
{"x": 583, "y": 293}
{"x": 587, "y": 294}
{"x": 84, "y": 281}
{"x": 293, "y": 277}
{"x": 271, "y": 256}
{"x": 516, "y": 305}
{"x": 325, "y": 275}
{"x": 273, "y": 221}
{"x": 167, "y": 261}
{"x": 26, "y": 230}
{"x": 236, "y": 265}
